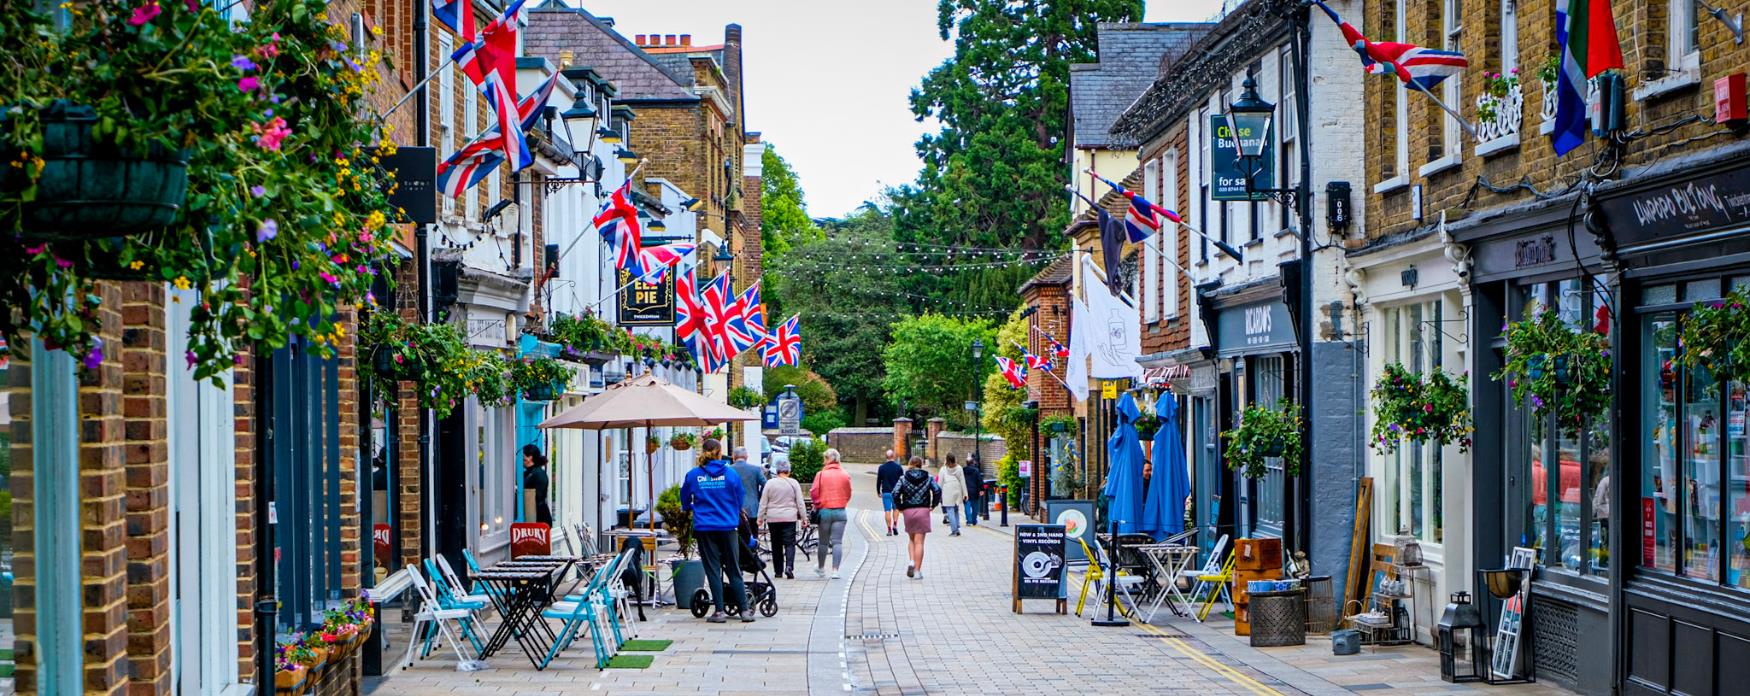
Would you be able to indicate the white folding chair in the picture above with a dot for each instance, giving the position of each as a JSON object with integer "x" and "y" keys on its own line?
{"x": 457, "y": 589}
{"x": 431, "y": 613}
{"x": 586, "y": 540}
{"x": 1128, "y": 582}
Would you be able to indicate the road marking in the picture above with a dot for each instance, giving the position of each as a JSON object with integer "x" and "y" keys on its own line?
{"x": 1206, "y": 660}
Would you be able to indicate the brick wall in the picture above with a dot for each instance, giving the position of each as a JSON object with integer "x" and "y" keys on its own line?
{"x": 243, "y": 397}
{"x": 1641, "y": 28}
{"x": 148, "y": 487}
{"x": 1174, "y": 333}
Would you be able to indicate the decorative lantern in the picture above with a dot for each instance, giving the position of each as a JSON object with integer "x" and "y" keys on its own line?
{"x": 1461, "y": 641}
{"x": 1409, "y": 551}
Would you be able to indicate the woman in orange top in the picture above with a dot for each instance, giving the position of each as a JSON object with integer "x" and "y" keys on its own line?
{"x": 831, "y": 492}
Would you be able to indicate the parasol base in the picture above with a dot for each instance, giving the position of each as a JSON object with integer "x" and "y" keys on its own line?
{"x": 1111, "y": 622}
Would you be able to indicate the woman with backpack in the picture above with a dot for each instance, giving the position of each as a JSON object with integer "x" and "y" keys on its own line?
{"x": 916, "y": 497}
{"x": 952, "y": 480}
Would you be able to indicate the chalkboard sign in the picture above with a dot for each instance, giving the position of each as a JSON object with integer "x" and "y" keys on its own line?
{"x": 1038, "y": 570}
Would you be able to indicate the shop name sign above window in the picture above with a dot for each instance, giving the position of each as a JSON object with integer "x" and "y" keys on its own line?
{"x": 1535, "y": 251}
{"x": 1228, "y": 171}
{"x": 1253, "y": 328}
{"x": 1701, "y": 204}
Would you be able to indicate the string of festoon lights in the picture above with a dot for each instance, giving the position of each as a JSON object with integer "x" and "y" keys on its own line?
{"x": 896, "y": 316}
{"x": 852, "y": 266}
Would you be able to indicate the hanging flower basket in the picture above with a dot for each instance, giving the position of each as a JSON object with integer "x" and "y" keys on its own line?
{"x": 540, "y": 392}
{"x": 1552, "y": 366}
{"x": 88, "y": 192}
{"x": 682, "y": 442}
{"x": 1265, "y": 432}
{"x": 1429, "y": 408}
{"x": 651, "y": 445}
{"x": 540, "y": 379}
{"x": 1716, "y": 337}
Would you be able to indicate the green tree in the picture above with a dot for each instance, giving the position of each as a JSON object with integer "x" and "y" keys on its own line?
{"x": 784, "y": 221}
{"x": 994, "y": 173}
{"x": 1002, "y": 409}
{"x": 930, "y": 364}
{"x": 815, "y": 392}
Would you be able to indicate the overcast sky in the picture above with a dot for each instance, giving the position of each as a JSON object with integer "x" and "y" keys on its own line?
{"x": 827, "y": 80}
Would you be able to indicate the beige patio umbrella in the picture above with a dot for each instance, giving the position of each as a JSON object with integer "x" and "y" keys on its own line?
{"x": 646, "y": 402}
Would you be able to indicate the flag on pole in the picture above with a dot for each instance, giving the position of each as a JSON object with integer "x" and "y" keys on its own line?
{"x": 654, "y": 262}
{"x": 618, "y": 224}
{"x": 473, "y": 162}
{"x": 784, "y": 346}
{"x": 490, "y": 63}
{"x": 718, "y": 310}
{"x": 690, "y": 328}
{"x": 1143, "y": 218}
{"x": 1012, "y": 371}
{"x": 458, "y": 15}
{"x": 1057, "y": 349}
{"x": 1037, "y": 362}
{"x": 746, "y": 325}
{"x": 1112, "y": 236}
{"x": 1586, "y": 35}
{"x": 1075, "y": 371}
{"x": 1412, "y": 64}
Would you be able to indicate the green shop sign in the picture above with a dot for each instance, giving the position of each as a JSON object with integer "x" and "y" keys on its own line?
{"x": 1226, "y": 170}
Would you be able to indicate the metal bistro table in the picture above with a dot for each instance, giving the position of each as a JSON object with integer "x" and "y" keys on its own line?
{"x": 520, "y": 590}
{"x": 1169, "y": 561}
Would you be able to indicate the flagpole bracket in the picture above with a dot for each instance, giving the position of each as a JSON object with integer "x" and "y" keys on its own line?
{"x": 1734, "y": 23}
{"x": 554, "y": 184}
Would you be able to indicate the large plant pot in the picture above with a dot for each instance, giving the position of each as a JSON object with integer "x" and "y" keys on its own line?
{"x": 689, "y": 576}
{"x": 86, "y": 191}
{"x": 291, "y": 681}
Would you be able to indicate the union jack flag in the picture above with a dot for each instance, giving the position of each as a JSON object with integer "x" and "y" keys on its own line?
{"x": 1037, "y": 362}
{"x": 719, "y": 309}
{"x": 747, "y": 321}
{"x": 1425, "y": 67}
{"x": 471, "y": 164}
{"x": 784, "y": 345}
{"x": 1140, "y": 220}
{"x": 690, "y": 326}
{"x": 458, "y": 15}
{"x": 1057, "y": 349}
{"x": 1014, "y": 372}
{"x": 618, "y": 223}
{"x": 654, "y": 262}
{"x": 490, "y": 63}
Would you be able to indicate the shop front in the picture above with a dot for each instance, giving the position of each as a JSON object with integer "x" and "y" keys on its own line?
{"x": 1255, "y": 364}
{"x": 1536, "y": 482}
{"x": 1191, "y": 376}
{"x": 1683, "y": 584}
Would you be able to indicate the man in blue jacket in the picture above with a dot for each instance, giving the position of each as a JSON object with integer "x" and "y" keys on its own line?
{"x": 712, "y": 492}
{"x": 886, "y": 479}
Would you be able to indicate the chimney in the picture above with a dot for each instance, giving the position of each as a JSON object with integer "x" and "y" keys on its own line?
{"x": 668, "y": 40}
{"x": 639, "y": 40}
{"x": 732, "y": 34}
{"x": 686, "y": 39}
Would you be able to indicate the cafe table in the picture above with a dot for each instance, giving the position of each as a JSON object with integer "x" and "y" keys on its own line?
{"x": 520, "y": 590}
{"x": 1170, "y": 561}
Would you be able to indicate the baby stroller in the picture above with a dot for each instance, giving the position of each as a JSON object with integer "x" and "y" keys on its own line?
{"x": 760, "y": 589}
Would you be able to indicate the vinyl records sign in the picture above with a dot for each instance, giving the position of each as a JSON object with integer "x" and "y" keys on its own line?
{"x": 646, "y": 304}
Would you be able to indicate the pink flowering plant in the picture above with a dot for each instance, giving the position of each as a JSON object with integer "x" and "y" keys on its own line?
{"x": 1551, "y": 366}
{"x": 286, "y": 221}
{"x": 1716, "y": 337}
{"x": 1415, "y": 407}
{"x": 1496, "y": 86}
{"x": 434, "y": 359}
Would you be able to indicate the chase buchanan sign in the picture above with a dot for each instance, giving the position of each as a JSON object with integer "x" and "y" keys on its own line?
{"x": 1228, "y": 170}
{"x": 1704, "y": 204}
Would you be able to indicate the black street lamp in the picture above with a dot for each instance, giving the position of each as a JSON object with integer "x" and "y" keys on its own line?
{"x": 973, "y": 405}
{"x": 1249, "y": 120}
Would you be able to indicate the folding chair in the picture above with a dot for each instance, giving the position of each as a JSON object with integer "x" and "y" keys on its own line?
{"x": 1214, "y": 587}
{"x": 586, "y": 540}
{"x": 461, "y": 591}
{"x": 1211, "y": 566}
{"x": 1096, "y": 577}
{"x": 579, "y": 613}
{"x": 449, "y": 598}
{"x": 436, "y": 619}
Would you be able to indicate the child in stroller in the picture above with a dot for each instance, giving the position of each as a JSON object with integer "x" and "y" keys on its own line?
{"x": 761, "y": 591}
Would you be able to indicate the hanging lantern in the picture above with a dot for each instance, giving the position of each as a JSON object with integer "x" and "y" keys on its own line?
{"x": 1461, "y": 641}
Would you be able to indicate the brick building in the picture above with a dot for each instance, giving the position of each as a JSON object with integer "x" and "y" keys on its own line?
{"x": 1616, "y": 237}
{"x": 1047, "y": 301}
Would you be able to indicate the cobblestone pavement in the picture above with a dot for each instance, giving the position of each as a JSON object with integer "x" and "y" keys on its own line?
{"x": 877, "y": 632}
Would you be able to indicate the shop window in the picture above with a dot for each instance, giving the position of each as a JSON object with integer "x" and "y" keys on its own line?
{"x": 497, "y": 471}
{"x": 1695, "y": 463}
{"x": 1568, "y": 504}
{"x": 1411, "y": 501}
{"x": 303, "y": 454}
{"x": 1267, "y": 387}
{"x": 1170, "y": 239}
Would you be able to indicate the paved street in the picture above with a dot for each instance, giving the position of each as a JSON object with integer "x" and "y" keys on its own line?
{"x": 878, "y": 632}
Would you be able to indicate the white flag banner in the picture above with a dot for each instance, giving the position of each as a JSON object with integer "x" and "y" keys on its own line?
{"x": 1113, "y": 331}
{"x": 1075, "y": 371}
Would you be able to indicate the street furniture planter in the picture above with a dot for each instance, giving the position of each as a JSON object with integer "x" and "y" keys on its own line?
{"x": 291, "y": 682}
{"x": 88, "y": 191}
{"x": 689, "y": 576}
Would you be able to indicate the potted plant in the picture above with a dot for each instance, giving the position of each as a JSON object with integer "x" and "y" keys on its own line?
{"x": 689, "y": 573}
{"x": 1553, "y": 367}
{"x": 434, "y": 357}
{"x": 293, "y": 663}
{"x": 235, "y": 158}
{"x": 540, "y": 378}
{"x": 744, "y": 398}
{"x": 1430, "y": 408}
{"x": 1716, "y": 337}
{"x": 1265, "y": 433}
{"x": 652, "y": 444}
{"x": 682, "y": 442}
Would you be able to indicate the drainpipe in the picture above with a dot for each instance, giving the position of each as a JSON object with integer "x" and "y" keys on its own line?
{"x": 422, "y": 259}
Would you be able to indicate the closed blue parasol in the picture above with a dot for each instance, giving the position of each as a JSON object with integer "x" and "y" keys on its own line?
{"x": 1163, "y": 513}
{"x": 1124, "y": 479}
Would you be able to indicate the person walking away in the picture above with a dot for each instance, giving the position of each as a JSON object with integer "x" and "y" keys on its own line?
{"x": 753, "y": 482}
{"x": 535, "y": 480}
{"x": 916, "y": 497}
{"x": 952, "y": 480}
{"x": 831, "y": 492}
{"x": 712, "y": 492}
{"x": 886, "y": 478}
{"x": 781, "y": 514}
{"x": 974, "y": 488}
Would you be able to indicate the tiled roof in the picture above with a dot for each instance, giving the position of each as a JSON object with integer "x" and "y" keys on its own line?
{"x": 1224, "y": 50}
{"x": 1057, "y": 272}
{"x": 554, "y": 28}
{"x": 1131, "y": 56}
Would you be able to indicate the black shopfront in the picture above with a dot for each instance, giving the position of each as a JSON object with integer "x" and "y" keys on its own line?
{"x": 1256, "y": 363}
{"x": 1681, "y": 236}
{"x": 1535, "y": 483}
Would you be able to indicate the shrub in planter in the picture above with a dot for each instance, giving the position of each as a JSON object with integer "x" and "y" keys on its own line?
{"x": 806, "y": 459}
{"x": 1264, "y": 433}
{"x": 1432, "y": 408}
{"x": 1552, "y": 367}
{"x": 675, "y": 519}
{"x": 284, "y": 225}
{"x": 1716, "y": 337}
